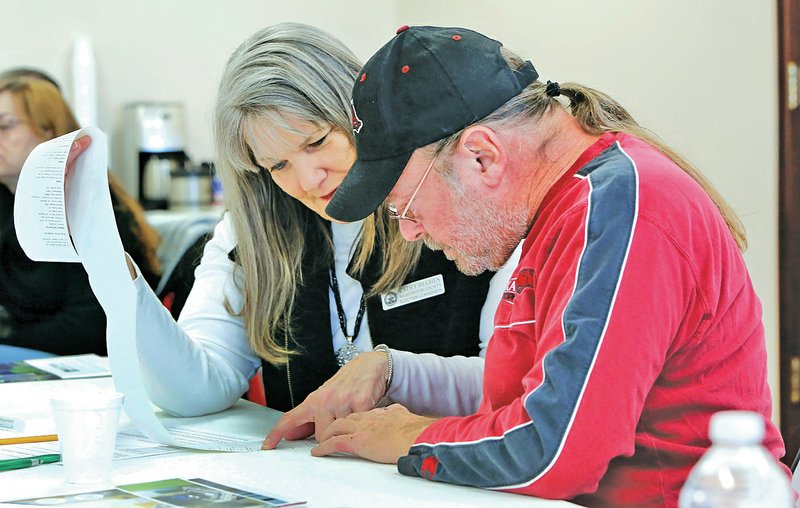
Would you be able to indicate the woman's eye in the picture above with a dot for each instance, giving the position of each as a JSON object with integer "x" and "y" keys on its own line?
{"x": 318, "y": 142}
{"x": 278, "y": 166}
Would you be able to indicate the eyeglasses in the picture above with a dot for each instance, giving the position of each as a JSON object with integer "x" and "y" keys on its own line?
{"x": 8, "y": 123}
{"x": 405, "y": 216}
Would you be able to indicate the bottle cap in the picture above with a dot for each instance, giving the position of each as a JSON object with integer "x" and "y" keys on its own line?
{"x": 736, "y": 427}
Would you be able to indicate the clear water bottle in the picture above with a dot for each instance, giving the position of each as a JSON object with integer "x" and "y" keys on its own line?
{"x": 737, "y": 472}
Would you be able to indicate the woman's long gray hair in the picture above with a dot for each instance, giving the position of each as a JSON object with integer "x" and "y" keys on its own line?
{"x": 298, "y": 72}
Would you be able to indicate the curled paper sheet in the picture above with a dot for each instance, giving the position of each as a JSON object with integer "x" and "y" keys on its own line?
{"x": 45, "y": 199}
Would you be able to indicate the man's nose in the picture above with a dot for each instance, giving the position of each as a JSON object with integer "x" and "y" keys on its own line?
{"x": 411, "y": 231}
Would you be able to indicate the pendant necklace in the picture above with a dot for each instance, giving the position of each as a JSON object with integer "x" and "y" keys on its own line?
{"x": 349, "y": 351}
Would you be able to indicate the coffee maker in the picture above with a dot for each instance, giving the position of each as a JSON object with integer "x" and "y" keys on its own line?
{"x": 154, "y": 147}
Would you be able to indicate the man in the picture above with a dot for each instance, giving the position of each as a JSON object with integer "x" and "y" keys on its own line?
{"x": 630, "y": 318}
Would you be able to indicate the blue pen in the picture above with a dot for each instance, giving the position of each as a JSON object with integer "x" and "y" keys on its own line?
{"x": 11, "y": 464}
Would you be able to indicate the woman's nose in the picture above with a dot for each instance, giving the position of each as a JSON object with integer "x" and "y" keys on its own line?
{"x": 411, "y": 231}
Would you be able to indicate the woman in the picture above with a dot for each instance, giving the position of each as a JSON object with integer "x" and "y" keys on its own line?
{"x": 49, "y": 308}
{"x": 283, "y": 288}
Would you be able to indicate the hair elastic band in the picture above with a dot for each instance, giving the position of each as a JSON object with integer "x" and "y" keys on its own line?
{"x": 553, "y": 89}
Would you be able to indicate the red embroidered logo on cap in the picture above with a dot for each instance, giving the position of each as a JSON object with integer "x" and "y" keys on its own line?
{"x": 354, "y": 119}
{"x": 363, "y": 77}
{"x": 456, "y": 37}
{"x": 405, "y": 69}
{"x": 402, "y": 29}
{"x": 428, "y": 468}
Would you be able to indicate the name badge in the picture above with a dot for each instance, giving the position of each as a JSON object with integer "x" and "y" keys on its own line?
{"x": 413, "y": 292}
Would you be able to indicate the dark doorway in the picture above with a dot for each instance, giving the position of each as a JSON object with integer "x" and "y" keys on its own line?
{"x": 789, "y": 224}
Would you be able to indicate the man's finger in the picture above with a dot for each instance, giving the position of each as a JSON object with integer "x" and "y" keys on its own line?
{"x": 340, "y": 427}
{"x": 337, "y": 444}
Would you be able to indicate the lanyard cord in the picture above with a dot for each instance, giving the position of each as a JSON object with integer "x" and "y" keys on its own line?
{"x": 340, "y": 308}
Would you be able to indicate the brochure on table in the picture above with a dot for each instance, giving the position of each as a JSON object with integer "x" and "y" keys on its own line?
{"x": 21, "y": 371}
{"x": 196, "y": 492}
{"x": 56, "y": 367}
{"x": 45, "y": 197}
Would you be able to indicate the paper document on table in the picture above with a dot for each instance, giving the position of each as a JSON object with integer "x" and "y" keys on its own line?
{"x": 128, "y": 446}
{"x": 240, "y": 428}
{"x": 46, "y": 197}
{"x": 221, "y": 442}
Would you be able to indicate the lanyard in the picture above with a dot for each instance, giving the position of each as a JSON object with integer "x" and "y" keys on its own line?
{"x": 348, "y": 351}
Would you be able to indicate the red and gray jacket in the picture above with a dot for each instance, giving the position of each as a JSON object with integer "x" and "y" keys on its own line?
{"x": 629, "y": 321}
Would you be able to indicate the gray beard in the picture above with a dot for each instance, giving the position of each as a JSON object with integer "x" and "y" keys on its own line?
{"x": 485, "y": 238}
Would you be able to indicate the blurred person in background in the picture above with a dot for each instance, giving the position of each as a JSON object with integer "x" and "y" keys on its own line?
{"x": 48, "y": 308}
{"x": 28, "y": 72}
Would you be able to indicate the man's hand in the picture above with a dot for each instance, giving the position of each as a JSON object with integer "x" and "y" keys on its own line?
{"x": 381, "y": 435}
{"x": 358, "y": 386}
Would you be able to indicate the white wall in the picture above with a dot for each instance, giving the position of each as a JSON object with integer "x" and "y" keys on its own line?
{"x": 702, "y": 75}
{"x": 175, "y": 50}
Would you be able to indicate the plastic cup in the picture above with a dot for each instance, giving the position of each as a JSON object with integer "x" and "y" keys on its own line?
{"x": 86, "y": 423}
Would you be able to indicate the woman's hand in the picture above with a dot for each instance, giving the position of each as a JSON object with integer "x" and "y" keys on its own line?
{"x": 78, "y": 147}
{"x": 356, "y": 387}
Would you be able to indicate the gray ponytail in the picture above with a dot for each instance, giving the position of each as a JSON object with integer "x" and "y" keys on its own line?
{"x": 597, "y": 113}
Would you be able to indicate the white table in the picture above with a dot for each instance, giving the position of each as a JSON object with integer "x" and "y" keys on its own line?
{"x": 289, "y": 471}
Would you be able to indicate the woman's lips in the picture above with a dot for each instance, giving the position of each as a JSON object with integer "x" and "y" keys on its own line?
{"x": 327, "y": 197}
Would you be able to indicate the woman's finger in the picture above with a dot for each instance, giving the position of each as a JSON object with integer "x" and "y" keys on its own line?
{"x": 78, "y": 147}
{"x": 322, "y": 420}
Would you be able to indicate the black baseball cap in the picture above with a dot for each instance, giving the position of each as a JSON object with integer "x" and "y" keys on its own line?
{"x": 424, "y": 85}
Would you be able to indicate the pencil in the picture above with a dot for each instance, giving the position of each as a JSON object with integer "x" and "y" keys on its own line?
{"x": 29, "y": 439}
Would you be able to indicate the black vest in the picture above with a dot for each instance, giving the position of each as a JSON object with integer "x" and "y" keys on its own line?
{"x": 446, "y": 324}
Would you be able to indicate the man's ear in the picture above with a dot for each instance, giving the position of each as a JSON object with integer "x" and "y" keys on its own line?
{"x": 482, "y": 150}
